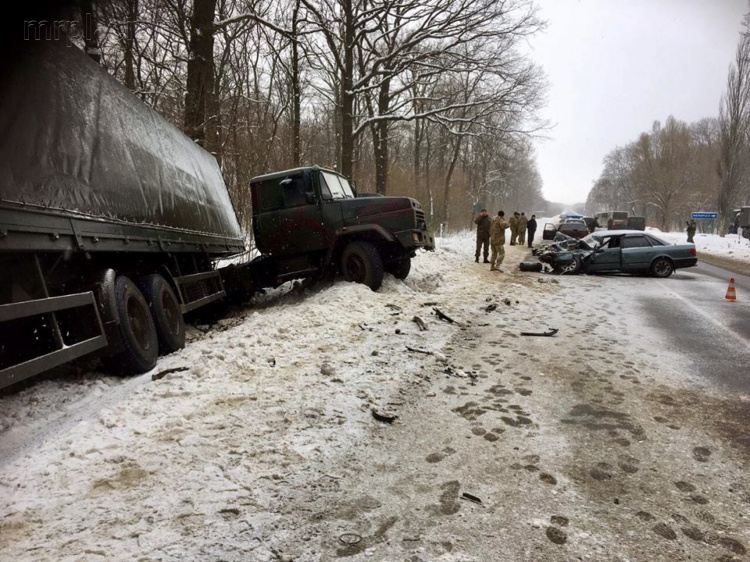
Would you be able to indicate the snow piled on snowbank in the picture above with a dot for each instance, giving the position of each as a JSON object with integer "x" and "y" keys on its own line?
{"x": 280, "y": 392}
{"x": 730, "y": 246}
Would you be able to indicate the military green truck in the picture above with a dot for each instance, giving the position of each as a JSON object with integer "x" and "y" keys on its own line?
{"x": 114, "y": 224}
{"x": 309, "y": 221}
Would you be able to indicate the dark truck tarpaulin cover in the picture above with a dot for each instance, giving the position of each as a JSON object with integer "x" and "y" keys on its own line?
{"x": 72, "y": 138}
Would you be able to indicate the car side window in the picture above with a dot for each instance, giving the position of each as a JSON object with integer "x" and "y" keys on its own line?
{"x": 654, "y": 241}
{"x": 613, "y": 242}
{"x": 635, "y": 242}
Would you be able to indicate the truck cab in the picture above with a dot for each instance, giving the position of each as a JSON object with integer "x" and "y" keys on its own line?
{"x": 307, "y": 220}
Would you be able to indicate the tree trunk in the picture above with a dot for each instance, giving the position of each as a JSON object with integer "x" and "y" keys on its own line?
{"x": 213, "y": 115}
{"x": 90, "y": 24}
{"x": 381, "y": 140}
{"x": 430, "y": 194}
{"x": 296, "y": 90}
{"x": 448, "y": 177}
{"x": 200, "y": 69}
{"x": 347, "y": 98}
{"x": 129, "y": 44}
{"x": 417, "y": 156}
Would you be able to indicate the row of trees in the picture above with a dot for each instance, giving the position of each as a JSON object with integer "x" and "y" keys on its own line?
{"x": 426, "y": 98}
{"x": 677, "y": 168}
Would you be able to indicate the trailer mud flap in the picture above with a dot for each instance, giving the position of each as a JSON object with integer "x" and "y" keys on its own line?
{"x": 57, "y": 344}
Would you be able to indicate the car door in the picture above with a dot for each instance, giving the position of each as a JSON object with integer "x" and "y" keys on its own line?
{"x": 606, "y": 257}
{"x": 637, "y": 252}
{"x": 549, "y": 231}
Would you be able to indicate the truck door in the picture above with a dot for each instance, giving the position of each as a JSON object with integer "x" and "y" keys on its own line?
{"x": 301, "y": 218}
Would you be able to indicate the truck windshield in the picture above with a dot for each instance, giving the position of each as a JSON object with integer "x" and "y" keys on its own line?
{"x": 338, "y": 186}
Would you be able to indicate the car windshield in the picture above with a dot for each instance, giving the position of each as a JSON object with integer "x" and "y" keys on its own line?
{"x": 338, "y": 186}
{"x": 592, "y": 241}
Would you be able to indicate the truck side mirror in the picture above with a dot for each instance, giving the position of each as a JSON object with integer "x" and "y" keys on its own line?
{"x": 309, "y": 197}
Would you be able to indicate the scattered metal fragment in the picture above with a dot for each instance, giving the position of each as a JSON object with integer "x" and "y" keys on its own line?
{"x": 383, "y": 417}
{"x": 350, "y": 538}
{"x": 394, "y": 307}
{"x": 490, "y": 307}
{"x": 429, "y": 303}
{"x": 549, "y": 333}
{"x": 471, "y": 498}
{"x": 419, "y": 322}
{"x": 165, "y": 372}
{"x": 443, "y": 316}
{"x": 418, "y": 350}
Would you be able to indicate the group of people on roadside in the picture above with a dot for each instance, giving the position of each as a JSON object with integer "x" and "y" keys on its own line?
{"x": 491, "y": 235}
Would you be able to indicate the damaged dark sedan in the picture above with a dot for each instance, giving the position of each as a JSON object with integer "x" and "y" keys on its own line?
{"x": 617, "y": 251}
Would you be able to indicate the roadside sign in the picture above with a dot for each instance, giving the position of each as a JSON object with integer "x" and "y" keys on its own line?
{"x": 703, "y": 215}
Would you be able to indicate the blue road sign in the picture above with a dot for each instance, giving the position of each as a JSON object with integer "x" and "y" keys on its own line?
{"x": 703, "y": 215}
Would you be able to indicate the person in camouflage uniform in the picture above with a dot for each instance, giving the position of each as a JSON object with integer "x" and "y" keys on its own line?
{"x": 497, "y": 241}
{"x": 522, "y": 223}
{"x": 690, "y": 230}
{"x": 483, "y": 222}
{"x": 513, "y": 224}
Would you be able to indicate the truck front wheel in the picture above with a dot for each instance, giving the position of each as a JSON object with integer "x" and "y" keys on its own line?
{"x": 400, "y": 269}
{"x": 137, "y": 330}
{"x": 165, "y": 310}
{"x": 361, "y": 263}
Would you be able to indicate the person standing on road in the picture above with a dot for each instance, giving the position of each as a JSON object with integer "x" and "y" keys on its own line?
{"x": 522, "y": 223}
{"x": 532, "y": 230}
{"x": 497, "y": 240}
{"x": 513, "y": 223}
{"x": 690, "y": 230}
{"x": 483, "y": 222}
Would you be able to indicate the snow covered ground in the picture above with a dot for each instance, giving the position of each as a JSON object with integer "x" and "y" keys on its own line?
{"x": 591, "y": 445}
{"x": 730, "y": 246}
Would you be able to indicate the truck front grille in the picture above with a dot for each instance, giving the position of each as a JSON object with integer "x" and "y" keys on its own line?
{"x": 421, "y": 223}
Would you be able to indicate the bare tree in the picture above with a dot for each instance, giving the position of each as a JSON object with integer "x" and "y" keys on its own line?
{"x": 734, "y": 124}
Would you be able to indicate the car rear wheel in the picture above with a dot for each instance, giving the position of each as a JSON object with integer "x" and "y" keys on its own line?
{"x": 137, "y": 330}
{"x": 361, "y": 263}
{"x": 662, "y": 268}
{"x": 165, "y": 310}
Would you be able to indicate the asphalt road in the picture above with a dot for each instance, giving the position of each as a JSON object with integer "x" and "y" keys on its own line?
{"x": 713, "y": 333}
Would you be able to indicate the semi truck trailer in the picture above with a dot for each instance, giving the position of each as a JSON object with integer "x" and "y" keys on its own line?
{"x": 112, "y": 222}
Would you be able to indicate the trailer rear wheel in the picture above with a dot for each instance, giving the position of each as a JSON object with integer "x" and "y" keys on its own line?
{"x": 165, "y": 310}
{"x": 137, "y": 330}
{"x": 361, "y": 263}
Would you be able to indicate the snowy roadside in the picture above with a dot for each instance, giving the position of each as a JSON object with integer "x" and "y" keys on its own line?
{"x": 595, "y": 444}
{"x": 126, "y": 467}
{"x": 731, "y": 246}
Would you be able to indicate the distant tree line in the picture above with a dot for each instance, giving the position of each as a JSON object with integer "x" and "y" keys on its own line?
{"x": 677, "y": 168}
{"x": 426, "y": 98}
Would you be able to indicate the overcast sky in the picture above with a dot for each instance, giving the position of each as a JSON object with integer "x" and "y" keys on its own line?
{"x": 616, "y": 66}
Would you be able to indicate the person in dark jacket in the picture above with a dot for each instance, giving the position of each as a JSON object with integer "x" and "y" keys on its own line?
{"x": 531, "y": 227}
{"x": 483, "y": 222}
